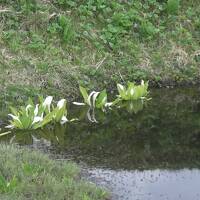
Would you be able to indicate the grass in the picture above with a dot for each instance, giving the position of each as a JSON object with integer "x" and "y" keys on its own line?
{"x": 26, "y": 174}
{"x": 53, "y": 46}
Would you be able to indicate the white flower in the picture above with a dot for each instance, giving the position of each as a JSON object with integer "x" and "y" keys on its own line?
{"x": 64, "y": 120}
{"x": 14, "y": 117}
{"x": 94, "y": 98}
{"x": 61, "y": 103}
{"x": 28, "y": 107}
{"x": 90, "y": 96}
{"x": 142, "y": 82}
{"x": 36, "y": 110}
{"x": 47, "y": 102}
{"x": 121, "y": 87}
{"x": 9, "y": 126}
{"x": 132, "y": 91}
{"x": 108, "y": 104}
{"x": 37, "y": 119}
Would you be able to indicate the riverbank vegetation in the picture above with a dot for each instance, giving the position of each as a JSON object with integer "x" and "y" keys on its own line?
{"x": 53, "y": 46}
{"x": 26, "y": 174}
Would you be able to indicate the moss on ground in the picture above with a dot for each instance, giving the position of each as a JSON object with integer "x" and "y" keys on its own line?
{"x": 51, "y": 47}
{"x": 26, "y": 174}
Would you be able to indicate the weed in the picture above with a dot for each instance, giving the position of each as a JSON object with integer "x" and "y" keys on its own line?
{"x": 31, "y": 174}
{"x": 173, "y": 6}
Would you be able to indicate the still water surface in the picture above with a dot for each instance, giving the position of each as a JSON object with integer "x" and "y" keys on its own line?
{"x": 149, "y": 152}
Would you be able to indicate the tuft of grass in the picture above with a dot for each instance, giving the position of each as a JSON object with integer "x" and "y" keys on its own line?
{"x": 26, "y": 174}
{"x": 173, "y": 6}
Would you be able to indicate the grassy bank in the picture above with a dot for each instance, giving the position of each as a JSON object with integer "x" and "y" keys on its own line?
{"x": 25, "y": 174}
{"x": 52, "y": 46}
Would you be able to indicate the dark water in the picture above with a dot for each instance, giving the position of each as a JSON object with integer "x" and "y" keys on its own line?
{"x": 139, "y": 152}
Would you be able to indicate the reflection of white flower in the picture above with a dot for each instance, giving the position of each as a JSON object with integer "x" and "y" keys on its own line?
{"x": 61, "y": 103}
{"x": 78, "y": 104}
{"x": 47, "y": 102}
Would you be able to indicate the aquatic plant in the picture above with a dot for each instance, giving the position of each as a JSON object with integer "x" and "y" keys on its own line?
{"x": 31, "y": 117}
{"x": 61, "y": 112}
{"x": 34, "y": 117}
{"x": 94, "y": 99}
{"x": 133, "y": 92}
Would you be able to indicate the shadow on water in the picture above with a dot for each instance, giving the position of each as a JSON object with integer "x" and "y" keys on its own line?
{"x": 164, "y": 134}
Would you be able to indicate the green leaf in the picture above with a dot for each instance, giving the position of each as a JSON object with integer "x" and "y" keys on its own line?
{"x": 13, "y": 111}
{"x": 84, "y": 94}
{"x": 134, "y": 92}
{"x": 122, "y": 91}
{"x": 48, "y": 118}
{"x": 3, "y": 184}
{"x": 102, "y": 99}
{"x": 60, "y": 113}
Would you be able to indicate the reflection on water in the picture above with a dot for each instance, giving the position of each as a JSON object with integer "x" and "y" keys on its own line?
{"x": 133, "y": 106}
{"x": 164, "y": 134}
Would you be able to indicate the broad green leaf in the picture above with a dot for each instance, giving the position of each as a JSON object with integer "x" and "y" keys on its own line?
{"x": 84, "y": 94}
{"x": 13, "y": 110}
{"x": 59, "y": 114}
{"x": 48, "y": 118}
{"x": 102, "y": 99}
{"x": 133, "y": 92}
{"x": 30, "y": 101}
{"x": 122, "y": 91}
{"x": 130, "y": 91}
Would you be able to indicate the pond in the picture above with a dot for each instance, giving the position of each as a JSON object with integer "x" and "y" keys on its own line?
{"x": 147, "y": 153}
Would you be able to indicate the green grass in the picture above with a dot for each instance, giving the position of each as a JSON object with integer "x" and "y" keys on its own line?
{"x": 53, "y": 46}
{"x": 26, "y": 174}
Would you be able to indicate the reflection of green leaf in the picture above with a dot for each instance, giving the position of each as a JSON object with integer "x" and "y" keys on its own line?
{"x": 23, "y": 137}
{"x": 5, "y": 133}
{"x": 132, "y": 106}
